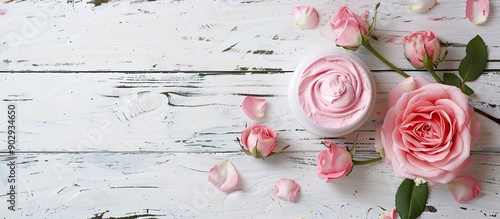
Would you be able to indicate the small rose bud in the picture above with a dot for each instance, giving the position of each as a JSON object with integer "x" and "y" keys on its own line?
{"x": 418, "y": 44}
{"x": 333, "y": 163}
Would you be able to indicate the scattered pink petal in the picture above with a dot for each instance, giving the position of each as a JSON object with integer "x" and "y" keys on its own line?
{"x": 477, "y": 11}
{"x": 223, "y": 176}
{"x": 254, "y": 107}
{"x": 464, "y": 188}
{"x": 286, "y": 189}
{"x": 305, "y": 16}
{"x": 388, "y": 214}
{"x": 421, "y": 6}
{"x": 3, "y": 11}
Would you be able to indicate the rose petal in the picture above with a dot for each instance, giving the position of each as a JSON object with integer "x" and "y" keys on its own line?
{"x": 254, "y": 107}
{"x": 464, "y": 188}
{"x": 477, "y": 11}
{"x": 286, "y": 189}
{"x": 223, "y": 176}
{"x": 421, "y": 6}
{"x": 305, "y": 16}
{"x": 388, "y": 214}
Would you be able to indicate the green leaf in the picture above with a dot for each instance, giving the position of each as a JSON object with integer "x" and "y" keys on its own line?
{"x": 474, "y": 62}
{"x": 454, "y": 80}
{"x": 466, "y": 90}
{"x": 411, "y": 199}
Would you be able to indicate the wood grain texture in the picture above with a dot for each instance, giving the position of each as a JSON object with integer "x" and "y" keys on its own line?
{"x": 124, "y": 106}
{"x": 177, "y": 112}
{"x": 227, "y": 35}
{"x": 175, "y": 185}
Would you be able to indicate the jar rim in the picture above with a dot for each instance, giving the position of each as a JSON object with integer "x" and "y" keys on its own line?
{"x": 298, "y": 111}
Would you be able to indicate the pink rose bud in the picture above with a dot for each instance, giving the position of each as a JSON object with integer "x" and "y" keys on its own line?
{"x": 259, "y": 139}
{"x": 286, "y": 189}
{"x": 421, "y": 6}
{"x": 254, "y": 107}
{"x": 305, "y": 16}
{"x": 388, "y": 214}
{"x": 223, "y": 176}
{"x": 417, "y": 44}
{"x": 349, "y": 28}
{"x": 464, "y": 188}
{"x": 333, "y": 163}
{"x": 477, "y": 11}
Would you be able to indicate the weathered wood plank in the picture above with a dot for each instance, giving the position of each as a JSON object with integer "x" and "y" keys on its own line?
{"x": 175, "y": 185}
{"x": 178, "y": 111}
{"x": 211, "y": 35}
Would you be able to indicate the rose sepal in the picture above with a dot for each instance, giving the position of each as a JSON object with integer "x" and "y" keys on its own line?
{"x": 255, "y": 153}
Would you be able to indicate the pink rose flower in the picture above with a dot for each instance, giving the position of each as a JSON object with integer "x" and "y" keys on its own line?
{"x": 419, "y": 43}
{"x": 428, "y": 131}
{"x": 464, "y": 188}
{"x": 333, "y": 163}
{"x": 223, "y": 176}
{"x": 349, "y": 28}
{"x": 305, "y": 16}
{"x": 286, "y": 189}
{"x": 261, "y": 137}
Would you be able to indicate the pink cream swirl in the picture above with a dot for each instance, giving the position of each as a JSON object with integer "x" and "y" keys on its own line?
{"x": 334, "y": 91}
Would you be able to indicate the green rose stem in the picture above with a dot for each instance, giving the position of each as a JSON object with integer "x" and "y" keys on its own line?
{"x": 364, "y": 162}
{"x": 428, "y": 65}
{"x": 370, "y": 48}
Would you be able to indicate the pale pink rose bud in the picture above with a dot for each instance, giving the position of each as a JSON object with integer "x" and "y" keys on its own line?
{"x": 261, "y": 137}
{"x": 417, "y": 44}
{"x": 254, "y": 107}
{"x": 464, "y": 188}
{"x": 223, "y": 176}
{"x": 333, "y": 163}
{"x": 349, "y": 28}
{"x": 286, "y": 189}
{"x": 421, "y": 6}
{"x": 305, "y": 16}
{"x": 477, "y": 11}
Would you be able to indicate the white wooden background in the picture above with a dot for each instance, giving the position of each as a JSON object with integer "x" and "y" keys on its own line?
{"x": 123, "y": 107}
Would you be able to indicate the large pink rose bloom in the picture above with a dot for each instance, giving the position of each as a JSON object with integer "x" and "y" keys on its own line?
{"x": 428, "y": 131}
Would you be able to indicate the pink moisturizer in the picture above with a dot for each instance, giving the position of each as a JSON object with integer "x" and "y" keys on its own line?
{"x": 332, "y": 93}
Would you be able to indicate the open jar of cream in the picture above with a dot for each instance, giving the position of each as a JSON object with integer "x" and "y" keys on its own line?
{"x": 332, "y": 93}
